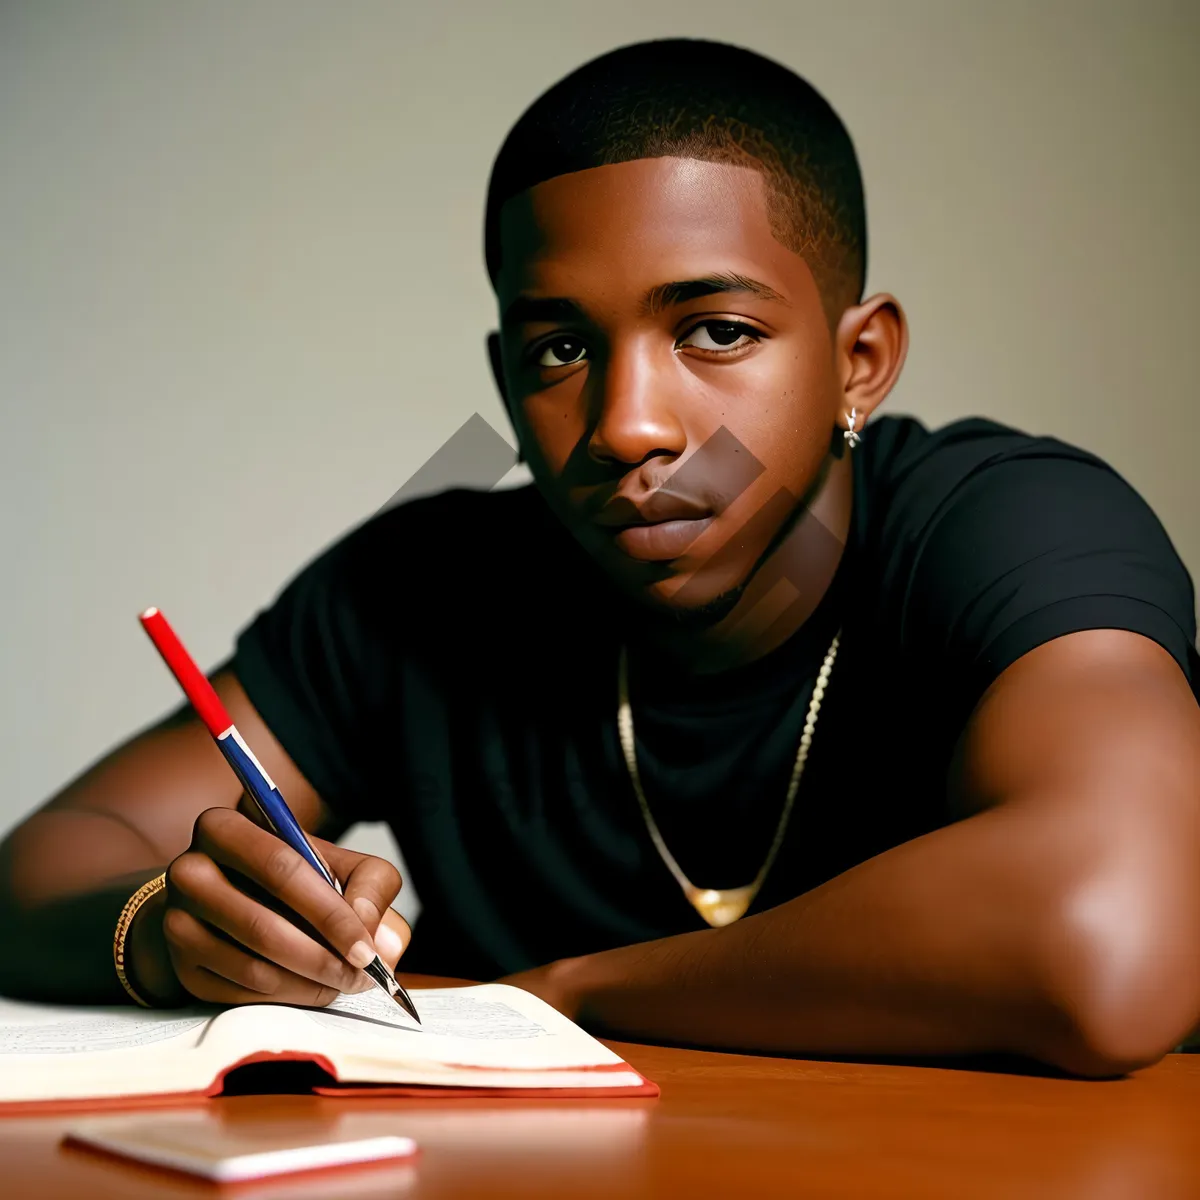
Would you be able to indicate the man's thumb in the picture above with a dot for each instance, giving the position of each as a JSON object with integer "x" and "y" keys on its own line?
{"x": 392, "y": 937}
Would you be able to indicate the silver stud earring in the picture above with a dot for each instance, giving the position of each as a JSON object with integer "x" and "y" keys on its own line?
{"x": 852, "y": 438}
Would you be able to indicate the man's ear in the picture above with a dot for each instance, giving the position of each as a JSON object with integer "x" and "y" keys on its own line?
{"x": 497, "y": 362}
{"x": 871, "y": 345}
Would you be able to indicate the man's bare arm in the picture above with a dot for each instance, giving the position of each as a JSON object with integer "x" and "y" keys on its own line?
{"x": 1060, "y": 920}
{"x": 66, "y": 872}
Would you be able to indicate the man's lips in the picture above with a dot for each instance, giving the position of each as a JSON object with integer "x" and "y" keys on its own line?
{"x": 656, "y": 528}
{"x": 650, "y": 508}
{"x": 660, "y": 541}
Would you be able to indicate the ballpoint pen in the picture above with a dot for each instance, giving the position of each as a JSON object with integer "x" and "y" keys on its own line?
{"x": 258, "y": 784}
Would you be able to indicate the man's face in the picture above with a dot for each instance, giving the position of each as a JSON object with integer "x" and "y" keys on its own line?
{"x": 669, "y": 370}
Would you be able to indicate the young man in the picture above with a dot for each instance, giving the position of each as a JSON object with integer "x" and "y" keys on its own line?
{"x": 919, "y": 704}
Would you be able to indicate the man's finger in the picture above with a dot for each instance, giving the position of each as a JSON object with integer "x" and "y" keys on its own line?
{"x": 392, "y": 933}
{"x": 206, "y": 985}
{"x": 370, "y": 885}
{"x": 196, "y": 944}
{"x": 392, "y": 937}
{"x": 198, "y": 885}
{"x": 249, "y": 809}
{"x": 235, "y": 843}
{"x": 215, "y": 970}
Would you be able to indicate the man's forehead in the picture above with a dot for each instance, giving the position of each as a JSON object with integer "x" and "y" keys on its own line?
{"x": 623, "y": 215}
{"x": 649, "y": 187}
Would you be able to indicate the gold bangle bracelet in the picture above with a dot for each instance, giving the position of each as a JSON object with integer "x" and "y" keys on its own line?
{"x": 125, "y": 920}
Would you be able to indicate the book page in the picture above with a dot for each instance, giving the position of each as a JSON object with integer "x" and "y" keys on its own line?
{"x": 488, "y": 1026}
{"x": 36, "y": 1029}
{"x": 55, "y": 1052}
{"x": 454, "y": 1012}
{"x": 94, "y": 1034}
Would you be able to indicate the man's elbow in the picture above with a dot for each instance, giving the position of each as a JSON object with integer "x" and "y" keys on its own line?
{"x": 1124, "y": 981}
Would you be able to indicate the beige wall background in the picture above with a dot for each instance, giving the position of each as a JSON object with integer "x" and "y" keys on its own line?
{"x": 242, "y": 296}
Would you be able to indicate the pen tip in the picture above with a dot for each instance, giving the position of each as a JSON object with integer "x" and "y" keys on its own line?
{"x": 379, "y": 974}
{"x": 409, "y": 1007}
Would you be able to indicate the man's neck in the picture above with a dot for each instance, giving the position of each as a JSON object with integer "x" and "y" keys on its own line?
{"x": 784, "y": 591}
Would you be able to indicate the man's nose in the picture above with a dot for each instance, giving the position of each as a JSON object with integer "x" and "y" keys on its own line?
{"x": 636, "y": 417}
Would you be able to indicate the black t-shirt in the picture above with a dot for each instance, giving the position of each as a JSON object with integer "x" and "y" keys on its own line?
{"x": 450, "y": 667}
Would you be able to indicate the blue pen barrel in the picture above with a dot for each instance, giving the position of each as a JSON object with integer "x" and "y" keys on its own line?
{"x": 266, "y": 795}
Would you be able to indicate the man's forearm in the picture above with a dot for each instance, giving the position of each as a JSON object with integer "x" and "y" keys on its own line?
{"x": 955, "y": 943}
{"x": 64, "y": 878}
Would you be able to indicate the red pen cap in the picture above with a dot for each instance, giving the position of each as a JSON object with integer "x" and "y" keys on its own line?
{"x": 195, "y": 685}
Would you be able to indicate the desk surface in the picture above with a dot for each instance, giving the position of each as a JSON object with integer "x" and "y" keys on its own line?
{"x": 725, "y": 1125}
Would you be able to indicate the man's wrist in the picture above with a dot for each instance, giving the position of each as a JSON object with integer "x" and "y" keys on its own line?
{"x": 566, "y": 982}
{"x": 147, "y": 959}
{"x": 583, "y": 986}
{"x": 560, "y": 984}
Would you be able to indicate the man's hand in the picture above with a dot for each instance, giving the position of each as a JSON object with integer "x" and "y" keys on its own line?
{"x": 245, "y": 920}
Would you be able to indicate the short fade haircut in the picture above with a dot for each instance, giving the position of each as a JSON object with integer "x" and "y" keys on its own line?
{"x": 688, "y": 98}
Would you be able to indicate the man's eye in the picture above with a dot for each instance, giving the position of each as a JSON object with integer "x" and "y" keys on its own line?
{"x": 562, "y": 352}
{"x": 720, "y": 336}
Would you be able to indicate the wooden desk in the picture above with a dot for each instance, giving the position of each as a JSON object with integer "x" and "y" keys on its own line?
{"x": 725, "y": 1126}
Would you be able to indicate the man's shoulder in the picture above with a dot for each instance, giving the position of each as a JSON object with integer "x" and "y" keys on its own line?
{"x": 977, "y": 504}
{"x": 902, "y": 450}
{"x": 913, "y": 474}
{"x": 987, "y": 541}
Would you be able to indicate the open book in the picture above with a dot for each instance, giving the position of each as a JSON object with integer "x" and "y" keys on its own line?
{"x": 486, "y": 1040}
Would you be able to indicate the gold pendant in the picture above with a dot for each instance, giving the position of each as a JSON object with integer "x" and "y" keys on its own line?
{"x": 722, "y": 907}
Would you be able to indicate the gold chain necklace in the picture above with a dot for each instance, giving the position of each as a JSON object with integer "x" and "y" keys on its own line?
{"x": 719, "y": 906}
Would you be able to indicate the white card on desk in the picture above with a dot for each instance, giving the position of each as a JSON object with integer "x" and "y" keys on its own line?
{"x": 197, "y": 1144}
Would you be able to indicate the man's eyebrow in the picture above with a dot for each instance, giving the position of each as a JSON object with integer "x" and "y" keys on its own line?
{"x": 529, "y": 309}
{"x": 664, "y": 295}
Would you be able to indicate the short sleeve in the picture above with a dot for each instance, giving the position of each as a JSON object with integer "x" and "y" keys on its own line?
{"x": 316, "y": 665}
{"x": 1034, "y": 545}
